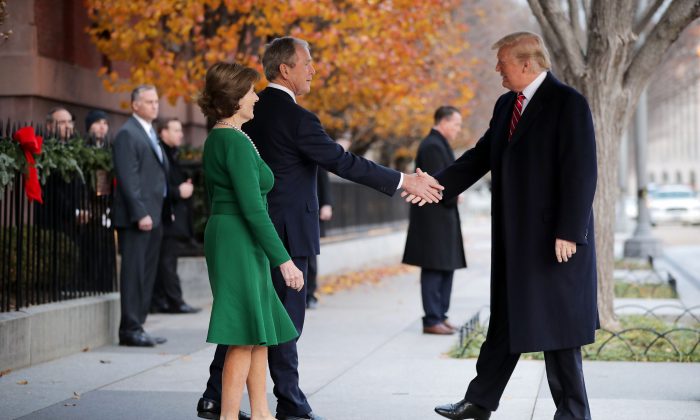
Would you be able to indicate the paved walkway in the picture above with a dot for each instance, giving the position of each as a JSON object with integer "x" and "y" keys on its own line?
{"x": 362, "y": 356}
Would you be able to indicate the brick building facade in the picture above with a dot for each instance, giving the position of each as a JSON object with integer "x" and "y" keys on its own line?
{"x": 49, "y": 60}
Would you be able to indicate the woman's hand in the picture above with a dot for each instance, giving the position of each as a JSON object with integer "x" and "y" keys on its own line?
{"x": 293, "y": 277}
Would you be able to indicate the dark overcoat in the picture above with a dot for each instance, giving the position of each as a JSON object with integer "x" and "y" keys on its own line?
{"x": 434, "y": 238}
{"x": 293, "y": 143}
{"x": 181, "y": 226}
{"x": 543, "y": 183}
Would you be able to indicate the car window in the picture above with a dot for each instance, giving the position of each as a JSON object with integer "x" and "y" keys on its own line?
{"x": 669, "y": 195}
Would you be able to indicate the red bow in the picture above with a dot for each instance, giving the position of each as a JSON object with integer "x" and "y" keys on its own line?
{"x": 31, "y": 145}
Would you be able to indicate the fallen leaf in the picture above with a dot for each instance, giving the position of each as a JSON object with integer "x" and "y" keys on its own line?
{"x": 76, "y": 395}
{"x": 330, "y": 284}
{"x": 22, "y": 382}
{"x": 5, "y": 372}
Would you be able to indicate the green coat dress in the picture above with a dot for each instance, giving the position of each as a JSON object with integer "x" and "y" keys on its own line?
{"x": 240, "y": 245}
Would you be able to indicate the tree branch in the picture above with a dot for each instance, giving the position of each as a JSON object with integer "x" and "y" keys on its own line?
{"x": 678, "y": 16}
{"x": 576, "y": 23}
{"x": 647, "y": 15}
{"x": 549, "y": 13}
{"x": 587, "y": 9}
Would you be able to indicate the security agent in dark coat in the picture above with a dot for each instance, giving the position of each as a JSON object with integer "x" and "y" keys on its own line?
{"x": 141, "y": 169}
{"x": 325, "y": 205}
{"x": 543, "y": 264}
{"x": 292, "y": 141}
{"x": 167, "y": 293}
{"x": 434, "y": 240}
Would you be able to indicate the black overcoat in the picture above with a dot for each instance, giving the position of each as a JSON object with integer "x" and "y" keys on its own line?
{"x": 434, "y": 238}
{"x": 543, "y": 183}
{"x": 181, "y": 226}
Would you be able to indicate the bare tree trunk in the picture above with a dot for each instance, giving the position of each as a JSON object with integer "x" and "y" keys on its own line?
{"x": 611, "y": 68}
{"x": 608, "y": 132}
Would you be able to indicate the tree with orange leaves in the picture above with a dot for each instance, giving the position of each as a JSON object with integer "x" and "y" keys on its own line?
{"x": 382, "y": 66}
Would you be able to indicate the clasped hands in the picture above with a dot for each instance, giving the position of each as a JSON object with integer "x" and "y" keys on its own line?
{"x": 421, "y": 188}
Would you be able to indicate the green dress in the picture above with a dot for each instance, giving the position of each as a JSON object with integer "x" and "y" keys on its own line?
{"x": 240, "y": 245}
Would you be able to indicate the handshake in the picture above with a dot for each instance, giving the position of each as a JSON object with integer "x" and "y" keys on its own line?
{"x": 421, "y": 188}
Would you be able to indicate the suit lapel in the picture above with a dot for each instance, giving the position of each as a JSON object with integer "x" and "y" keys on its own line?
{"x": 146, "y": 138}
{"x": 444, "y": 144}
{"x": 533, "y": 109}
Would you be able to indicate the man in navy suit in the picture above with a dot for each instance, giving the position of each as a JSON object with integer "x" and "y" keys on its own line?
{"x": 141, "y": 170}
{"x": 294, "y": 144}
{"x": 540, "y": 149}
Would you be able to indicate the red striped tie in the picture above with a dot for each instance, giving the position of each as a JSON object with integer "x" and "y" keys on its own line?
{"x": 517, "y": 112}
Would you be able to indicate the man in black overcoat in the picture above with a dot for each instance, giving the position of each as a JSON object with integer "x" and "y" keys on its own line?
{"x": 141, "y": 169}
{"x": 293, "y": 143}
{"x": 434, "y": 239}
{"x": 325, "y": 213}
{"x": 540, "y": 149}
{"x": 167, "y": 292}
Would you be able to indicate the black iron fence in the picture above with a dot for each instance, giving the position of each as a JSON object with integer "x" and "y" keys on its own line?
{"x": 63, "y": 248}
{"x": 357, "y": 208}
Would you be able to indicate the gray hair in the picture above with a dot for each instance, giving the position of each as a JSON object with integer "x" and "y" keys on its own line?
{"x": 49, "y": 116}
{"x": 281, "y": 51}
{"x": 526, "y": 46}
{"x": 136, "y": 93}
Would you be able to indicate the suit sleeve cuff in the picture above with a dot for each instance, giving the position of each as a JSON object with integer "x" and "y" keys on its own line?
{"x": 398, "y": 187}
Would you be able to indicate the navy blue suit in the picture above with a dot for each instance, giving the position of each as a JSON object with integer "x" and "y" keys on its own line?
{"x": 292, "y": 141}
{"x": 543, "y": 184}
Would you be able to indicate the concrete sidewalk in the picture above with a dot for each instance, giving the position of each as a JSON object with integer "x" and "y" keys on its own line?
{"x": 362, "y": 356}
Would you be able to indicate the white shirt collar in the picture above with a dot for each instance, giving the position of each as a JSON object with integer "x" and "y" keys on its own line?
{"x": 530, "y": 90}
{"x": 145, "y": 124}
{"x": 285, "y": 89}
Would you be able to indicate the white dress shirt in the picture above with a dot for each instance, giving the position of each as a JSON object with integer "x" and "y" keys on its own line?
{"x": 530, "y": 90}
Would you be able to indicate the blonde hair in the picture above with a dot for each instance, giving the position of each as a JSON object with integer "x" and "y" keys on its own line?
{"x": 526, "y": 46}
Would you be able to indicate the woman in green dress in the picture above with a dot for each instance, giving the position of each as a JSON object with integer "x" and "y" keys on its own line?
{"x": 241, "y": 243}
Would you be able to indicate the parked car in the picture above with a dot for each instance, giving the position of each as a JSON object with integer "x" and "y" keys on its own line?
{"x": 674, "y": 203}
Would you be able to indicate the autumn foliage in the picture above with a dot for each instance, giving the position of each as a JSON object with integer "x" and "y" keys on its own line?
{"x": 382, "y": 66}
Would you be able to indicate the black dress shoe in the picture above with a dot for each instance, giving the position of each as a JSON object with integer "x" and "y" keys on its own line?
{"x": 138, "y": 339}
{"x": 310, "y": 416}
{"x": 311, "y": 303}
{"x": 182, "y": 309}
{"x": 210, "y": 409}
{"x": 463, "y": 410}
{"x": 159, "y": 340}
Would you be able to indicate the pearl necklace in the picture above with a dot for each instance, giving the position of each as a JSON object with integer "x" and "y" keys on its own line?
{"x": 240, "y": 131}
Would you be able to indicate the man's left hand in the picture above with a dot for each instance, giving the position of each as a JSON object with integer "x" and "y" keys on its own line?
{"x": 564, "y": 249}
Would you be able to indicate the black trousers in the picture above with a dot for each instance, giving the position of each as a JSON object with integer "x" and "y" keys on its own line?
{"x": 139, "y": 250}
{"x": 496, "y": 364}
{"x": 282, "y": 359}
{"x": 311, "y": 278}
{"x": 167, "y": 291}
{"x": 436, "y": 289}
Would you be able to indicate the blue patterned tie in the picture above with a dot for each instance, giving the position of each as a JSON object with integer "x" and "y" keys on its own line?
{"x": 154, "y": 144}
